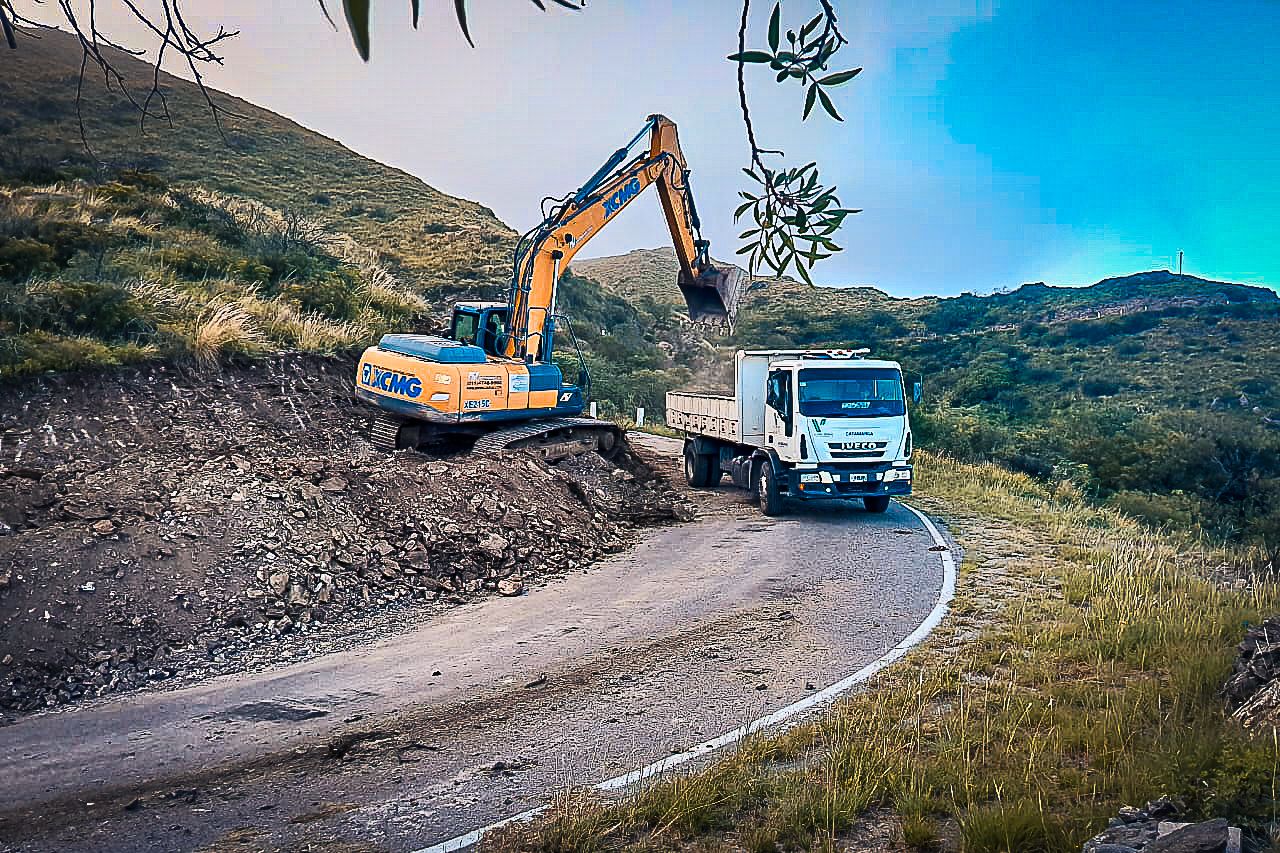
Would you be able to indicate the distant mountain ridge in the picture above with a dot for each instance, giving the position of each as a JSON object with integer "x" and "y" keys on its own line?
{"x": 651, "y": 273}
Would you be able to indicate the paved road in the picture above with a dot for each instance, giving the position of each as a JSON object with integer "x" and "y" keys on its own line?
{"x": 486, "y": 710}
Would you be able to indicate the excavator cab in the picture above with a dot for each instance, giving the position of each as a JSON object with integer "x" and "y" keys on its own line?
{"x": 481, "y": 324}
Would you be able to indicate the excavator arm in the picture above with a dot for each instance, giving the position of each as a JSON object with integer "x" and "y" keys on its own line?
{"x": 711, "y": 293}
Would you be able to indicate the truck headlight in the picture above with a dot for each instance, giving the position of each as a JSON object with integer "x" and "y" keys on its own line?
{"x": 809, "y": 478}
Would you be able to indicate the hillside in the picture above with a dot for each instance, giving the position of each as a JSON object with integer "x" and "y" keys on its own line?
{"x": 179, "y": 239}
{"x": 263, "y": 157}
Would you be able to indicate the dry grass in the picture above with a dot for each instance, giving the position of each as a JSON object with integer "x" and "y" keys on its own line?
{"x": 225, "y": 329}
{"x": 1078, "y": 672}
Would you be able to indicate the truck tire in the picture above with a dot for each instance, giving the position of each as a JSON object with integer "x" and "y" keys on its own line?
{"x": 876, "y": 503}
{"x": 767, "y": 494}
{"x": 697, "y": 468}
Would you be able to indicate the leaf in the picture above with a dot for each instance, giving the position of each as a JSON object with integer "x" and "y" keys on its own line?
{"x": 840, "y": 77}
{"x": 416, "y": 6}
{"x": 775, "y": 27}
{"x": 804, "y": 274}
{"x": 828, "y": 106}
{"x": 358, "y": 19}
{"x": 751, "y": 56}
{"x": 742, "y": 208}
{"x": 750, "y": 232}
{"x": 745, "y": 249}
{"x": 460, "y": 7}
{"x": 783, "y": 74}
{"x": 811, "y": 26}
{"x": 752, "y": 174}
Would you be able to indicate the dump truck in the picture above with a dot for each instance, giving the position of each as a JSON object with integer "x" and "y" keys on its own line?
{"x": 804, "y": 424}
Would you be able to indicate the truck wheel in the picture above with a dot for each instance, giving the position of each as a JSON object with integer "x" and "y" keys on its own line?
{"x": 876, "y": 503}
{"x": 697, "y": 468}
{"x": 767, "y": 490}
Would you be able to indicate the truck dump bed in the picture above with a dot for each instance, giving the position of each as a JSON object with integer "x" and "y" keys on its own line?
{"x": 705, "y": 414}
{"x": 738, "y": 419}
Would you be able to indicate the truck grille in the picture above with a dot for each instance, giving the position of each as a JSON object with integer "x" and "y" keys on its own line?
{"x": 857, "y": 449}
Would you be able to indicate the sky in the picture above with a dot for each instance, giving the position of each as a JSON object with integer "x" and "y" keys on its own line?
{"x": 989, "y": 144}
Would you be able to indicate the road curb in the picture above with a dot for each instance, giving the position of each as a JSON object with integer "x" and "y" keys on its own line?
{"x": 782, "y": 718}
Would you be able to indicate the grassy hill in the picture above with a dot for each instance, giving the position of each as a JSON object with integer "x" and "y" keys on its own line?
{"x": 1157, "y": 393}
{"x": 176, "y": 239}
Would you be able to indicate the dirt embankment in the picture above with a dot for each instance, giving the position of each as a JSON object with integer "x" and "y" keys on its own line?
{"x": 162, "y": 523}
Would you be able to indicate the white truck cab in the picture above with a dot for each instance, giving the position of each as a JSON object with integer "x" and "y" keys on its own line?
{"x": 807, "y": 424}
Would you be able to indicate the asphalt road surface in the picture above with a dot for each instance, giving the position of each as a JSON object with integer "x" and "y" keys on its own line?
{"x": 488, "y": 709}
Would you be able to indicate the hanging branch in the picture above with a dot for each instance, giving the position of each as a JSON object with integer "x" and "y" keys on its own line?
{"x": 791, "y": 206}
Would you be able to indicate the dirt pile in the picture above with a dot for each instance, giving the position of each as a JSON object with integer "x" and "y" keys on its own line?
{"x": 162, "y": 523}
{"x": 1253, "y": 690}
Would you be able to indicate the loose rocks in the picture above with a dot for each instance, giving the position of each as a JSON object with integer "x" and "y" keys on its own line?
{"x": 226, "y": 510}
{"x": 1253, "y": 690}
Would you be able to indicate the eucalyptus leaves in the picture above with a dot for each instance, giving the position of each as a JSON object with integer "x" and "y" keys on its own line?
{"x": 794, "y": 215}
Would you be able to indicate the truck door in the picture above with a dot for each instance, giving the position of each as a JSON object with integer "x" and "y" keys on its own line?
{"x": 780, "y": 426}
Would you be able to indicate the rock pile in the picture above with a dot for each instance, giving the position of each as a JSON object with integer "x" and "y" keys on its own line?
{"x": 1253, "y": 690}
{"x": 1156, "y": 828}
{"x": 160, "y": 524}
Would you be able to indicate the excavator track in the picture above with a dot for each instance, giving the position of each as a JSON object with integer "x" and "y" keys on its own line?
{"x": 555, "y": 438}
{"x": 385, "y": 433}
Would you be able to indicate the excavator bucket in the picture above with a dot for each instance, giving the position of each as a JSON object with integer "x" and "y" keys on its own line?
{"x": 713, "y": 297}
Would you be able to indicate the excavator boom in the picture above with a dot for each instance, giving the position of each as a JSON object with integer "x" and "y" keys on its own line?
{"x": 711, "y": 293}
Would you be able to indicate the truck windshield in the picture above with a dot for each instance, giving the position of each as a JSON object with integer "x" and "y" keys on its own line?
{"x": 851, "y": 392}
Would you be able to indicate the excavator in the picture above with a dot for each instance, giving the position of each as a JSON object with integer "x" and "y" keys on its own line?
{"x": 492, "y": 382}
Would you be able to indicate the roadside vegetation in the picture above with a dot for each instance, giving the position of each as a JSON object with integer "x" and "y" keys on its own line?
{"x": 1080, "y": 671}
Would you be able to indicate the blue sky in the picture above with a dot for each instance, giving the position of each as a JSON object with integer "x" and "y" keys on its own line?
{"x": 990, "y": 144}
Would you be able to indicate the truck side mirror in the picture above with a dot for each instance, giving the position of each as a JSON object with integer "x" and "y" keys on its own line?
{"x": 917, "y": 392}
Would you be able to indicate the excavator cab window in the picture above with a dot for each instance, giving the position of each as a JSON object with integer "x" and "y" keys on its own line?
{"x": 464, "y": 326}
{"x": 495, "y": 325}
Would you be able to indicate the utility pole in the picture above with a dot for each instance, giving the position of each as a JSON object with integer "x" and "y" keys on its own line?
{"x": 1179, "y": 262}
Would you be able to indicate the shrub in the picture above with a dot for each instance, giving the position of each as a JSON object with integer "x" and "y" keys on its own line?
{"x": 331, "y": 294}
{"x": 23, "y": 257}
{"x": 1100, "y": 386}
{"x": 102, "y": 309}
{"x": 1170, "y": 509}
{"x": 439, "y": 228}
{"x": 38, "y": 352}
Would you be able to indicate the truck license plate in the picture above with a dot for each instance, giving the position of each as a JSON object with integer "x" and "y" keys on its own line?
{"x": 857, "y": 478}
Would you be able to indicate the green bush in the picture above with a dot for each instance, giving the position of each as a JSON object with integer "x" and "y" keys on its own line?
{"x": 1179, "y": 510}
{"x": 330, "y": 294}
{"x": 23, "y": 257}
{"x": 38, "y": 352}
{"x": 97, "y": 308}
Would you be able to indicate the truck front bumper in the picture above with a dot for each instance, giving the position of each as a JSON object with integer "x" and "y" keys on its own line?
{"x": 843, "y": 482}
